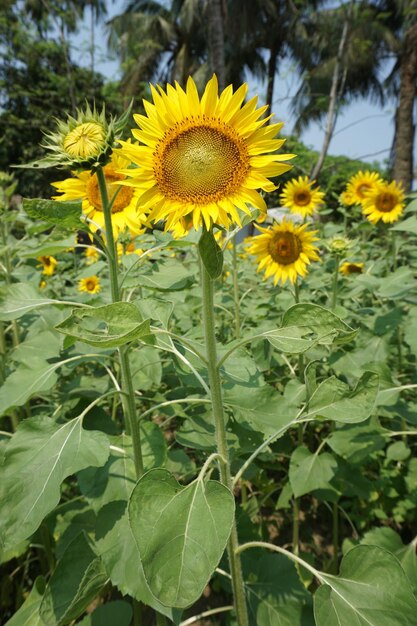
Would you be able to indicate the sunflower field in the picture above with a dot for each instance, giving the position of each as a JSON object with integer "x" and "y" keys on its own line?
{"x": 208, "y": 409}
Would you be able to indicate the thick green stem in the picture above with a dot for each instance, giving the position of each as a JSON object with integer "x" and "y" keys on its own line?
{"x": 236, "y": 290}
{"x": 335, "y": 283}
{"x": 394, "y": 251}
{"x": 335, "y": 532}
{"x": 218, "y": 415}
{"x": 128, "y": 397}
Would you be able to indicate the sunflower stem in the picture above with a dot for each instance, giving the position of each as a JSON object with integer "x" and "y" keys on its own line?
{"x": 218, "y": 414}
{"x": 128, "y": 397}
{"x": 335, "y": 283}
{"x": 236, "y": 290}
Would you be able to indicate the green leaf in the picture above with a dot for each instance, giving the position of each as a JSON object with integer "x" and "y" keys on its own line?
{"x": 109, "y": 614}
{"x": 307, "y": 325}
{"x": 356, "y": 443}
{"x": 117, "y": 547}
{"x": 334, "y": 400}
{"x": 65, "y": 214}
{"x": 75, "y": 582}
{"x": 116, "y": 479}
{"x": 180, "y": 532}
{"x": 276, "y": 596}
{"x": 39, "y": 456}
{"x": 309, "y": 471}
{"x": 387, "y": 538}
{"x": 49, "y": 248}
{"x": 371, "y": 590}
{"x": 28, "y": 614}
{"x": 24, "y": 383}
{"x": 107, "y": 326}
{"x": 162, "y": 276}
{"x": 211, "y": 254}
{"x": 264, "y": 408}
{"x": 20, "y": 298}
{"x": 409, "y": 225}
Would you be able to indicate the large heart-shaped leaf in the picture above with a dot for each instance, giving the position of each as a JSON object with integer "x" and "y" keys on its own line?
{"x": 181, "y": 533}
{"x": 371, "y": 590}
{"x": 64, "y": 214}
{"x": 20, "y": 298}
{"x": 39, "y": 456}
{"x": 107, "y": 326}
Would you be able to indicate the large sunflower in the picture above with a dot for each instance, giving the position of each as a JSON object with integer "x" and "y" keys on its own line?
{"x": 299, "y": 196}
{"x": 359, "y": 186}
{"x": 203, "y": 159}
{"x": 84, "y": 186}
{"x": 284, "y": 250}
{"x": 385, "y": 202}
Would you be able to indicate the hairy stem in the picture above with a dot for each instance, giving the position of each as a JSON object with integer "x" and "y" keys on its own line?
{"x": 218, "y": 415}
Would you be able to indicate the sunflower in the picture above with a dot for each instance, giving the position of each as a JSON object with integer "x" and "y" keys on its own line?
{"x": 385, "y": 202}
{"x": 84, "y": 186}
{"x": 359, "y": 186}
{"x": 128, "y": 248}
{"x": 90, "y": 284}
{"x": 351, "y": 268}
{"x": 300, "y": 197}
{"x": 48, "y": 263}
{"x": 203, "y": 159}
{"x": 91, "y": 254}
{"x": 284, "y": 250}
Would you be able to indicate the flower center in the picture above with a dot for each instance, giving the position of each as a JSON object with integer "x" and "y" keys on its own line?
{"x": 386, "y": 202}
{"x": 85, "y": 140}
{"x": 90, "y": 284}
{"x": 362, "y": 189}
{"x": 123, "y": 197}
{"x": 200, "y": 164}
{"x": 302, "y": 198}
{"x": 285, "y": 248}
{"x": 353, "y": 268}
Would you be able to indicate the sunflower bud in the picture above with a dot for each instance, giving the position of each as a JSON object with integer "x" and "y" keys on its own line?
{"x": 83, "y": 142}
{"x": 338, "y": 246}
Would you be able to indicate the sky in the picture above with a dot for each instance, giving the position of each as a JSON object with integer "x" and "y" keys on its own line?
{"x": 363, "y": 130}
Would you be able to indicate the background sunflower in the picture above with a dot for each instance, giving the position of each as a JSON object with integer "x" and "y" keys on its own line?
{"x": 300, "y": 197}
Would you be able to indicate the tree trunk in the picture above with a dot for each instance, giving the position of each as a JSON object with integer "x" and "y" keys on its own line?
{"x": 215, "y": 23}
{"x": 404, "y": 132}
{"x": 334, "y": 95}
{"x": 272, "y": 70}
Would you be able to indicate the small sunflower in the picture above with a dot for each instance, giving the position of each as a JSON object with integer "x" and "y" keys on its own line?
{"x": 128, "y": 248}
{"x": 91, "y": 255}
{"x": 359, "y": 186}
{"x": 284, "y": 250}
{"x": 90, "y": 284}
{"x": 351, "y": 268}
{"x": 386, "y": 202}
{"x": 203, "y": 159}
{"x": 48, "y": 263}
{"x": 84, "y": 186}
{"x": 299, "y": 196}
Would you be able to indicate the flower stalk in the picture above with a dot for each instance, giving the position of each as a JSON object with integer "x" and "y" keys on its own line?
{"x": 218, "y": 415}
{"x": 128, "y": 393}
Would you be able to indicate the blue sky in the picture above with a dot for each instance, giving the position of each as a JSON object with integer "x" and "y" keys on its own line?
{"x": 363, "y": 130}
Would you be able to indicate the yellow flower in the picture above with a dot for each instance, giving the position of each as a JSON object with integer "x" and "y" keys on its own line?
{"x": 300, "y": 197}
{"x": 84, "y": 186}
{"x": 351, "y": 268}
{"x": 42, "y": 284}
{"x": 386, "y": 202}
{"x": 284, "y": 250}
{"x": 346, "y": 198}
{"x": 129, "y": 248}
{"x": 91, "y": 254}
{"x": 85, "y": 140}
{"x": 203, "y": 159}
{"x": 90, "y": 284}
{"x": 359, "y": 186}
{"x": 48, "y": 263}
